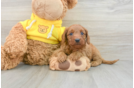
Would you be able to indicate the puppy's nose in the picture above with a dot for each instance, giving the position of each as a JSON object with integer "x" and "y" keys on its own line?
{"x": 77, "y": 40}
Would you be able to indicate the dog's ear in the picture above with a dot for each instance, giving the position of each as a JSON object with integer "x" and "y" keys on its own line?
{"x": 71, "y": 3}
{"x": 87, "y": 36}
{"x": 64, "y": 36}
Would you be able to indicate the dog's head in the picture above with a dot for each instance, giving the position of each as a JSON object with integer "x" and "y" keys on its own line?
{"x": 52, "y": 9}
{"x": 76, "y": 36}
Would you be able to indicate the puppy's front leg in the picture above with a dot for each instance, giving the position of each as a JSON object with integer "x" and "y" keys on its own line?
{"x": 75, "y": 56}
{"x": 60, "y": 55}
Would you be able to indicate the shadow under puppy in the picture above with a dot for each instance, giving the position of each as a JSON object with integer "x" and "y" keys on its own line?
{"x": 74, "y": 45}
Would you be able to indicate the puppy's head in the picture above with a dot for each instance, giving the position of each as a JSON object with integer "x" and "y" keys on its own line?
{"x": 76, "y": 36}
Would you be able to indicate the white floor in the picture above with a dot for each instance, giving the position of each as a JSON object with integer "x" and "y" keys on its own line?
{"x": 118, "y": 75}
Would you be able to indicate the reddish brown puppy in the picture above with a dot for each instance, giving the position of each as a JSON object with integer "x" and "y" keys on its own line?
{"x": 75, "y": 44}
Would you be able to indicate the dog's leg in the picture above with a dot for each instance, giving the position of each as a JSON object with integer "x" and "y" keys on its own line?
{"x": 61, "y": 56}
{"x": 13, "y": 50}
{"x": 96, "y": 61}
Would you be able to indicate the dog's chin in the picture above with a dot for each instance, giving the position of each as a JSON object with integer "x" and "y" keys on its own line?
{"x": 77, "y": 46}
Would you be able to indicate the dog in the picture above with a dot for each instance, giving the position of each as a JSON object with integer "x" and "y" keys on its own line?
{"x": 75, "y": 44}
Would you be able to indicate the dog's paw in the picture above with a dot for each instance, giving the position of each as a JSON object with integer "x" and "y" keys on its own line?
{"x": 94, "y": 63}
{"x": 74, "y": 57}
{"x": 61, "y": 60}
{"x": 62, "y": 57}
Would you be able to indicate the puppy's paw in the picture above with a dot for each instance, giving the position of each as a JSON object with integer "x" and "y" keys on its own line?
{"x": 75, "y": 56}
{"x": 62, "y": 57}
{"x": 94, "y": 63}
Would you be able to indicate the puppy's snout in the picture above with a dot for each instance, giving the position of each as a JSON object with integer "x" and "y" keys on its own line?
{"x": 77, "y": 40}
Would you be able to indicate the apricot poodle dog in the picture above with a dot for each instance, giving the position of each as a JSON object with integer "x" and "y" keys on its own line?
{"x": 75, "y": 44}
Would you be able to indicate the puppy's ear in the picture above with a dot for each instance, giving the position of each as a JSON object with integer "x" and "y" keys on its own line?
{"x": 71, "y": 3}
{"x": 87, "y": 36}
{"x": 64, "y": 36}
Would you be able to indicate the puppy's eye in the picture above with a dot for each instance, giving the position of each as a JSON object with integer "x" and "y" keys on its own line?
{"x": 71, "y": 34}
{"x": 82, "y": 33}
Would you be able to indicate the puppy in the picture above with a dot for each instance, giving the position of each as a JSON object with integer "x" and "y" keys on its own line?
{"x": 75, "y": 44}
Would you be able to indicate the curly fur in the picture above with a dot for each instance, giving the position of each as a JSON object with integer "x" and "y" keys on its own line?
{"x": 38, "y": 53}
{"x": 18, "y": 48}
{"x": 74, "y": 50}
{"x": 14, "y": 47}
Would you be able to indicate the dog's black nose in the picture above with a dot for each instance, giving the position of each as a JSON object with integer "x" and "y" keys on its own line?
{"x": 77, "y": 40}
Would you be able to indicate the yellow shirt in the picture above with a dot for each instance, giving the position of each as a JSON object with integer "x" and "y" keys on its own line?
{"x": 41, "y": 29}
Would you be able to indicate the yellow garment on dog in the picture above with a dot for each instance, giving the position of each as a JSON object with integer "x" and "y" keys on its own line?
{"x": 43, "y": 30}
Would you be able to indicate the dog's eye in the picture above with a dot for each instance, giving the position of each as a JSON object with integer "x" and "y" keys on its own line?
{"x": 82, "y": 33}
{"x": 71, "y": 33}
